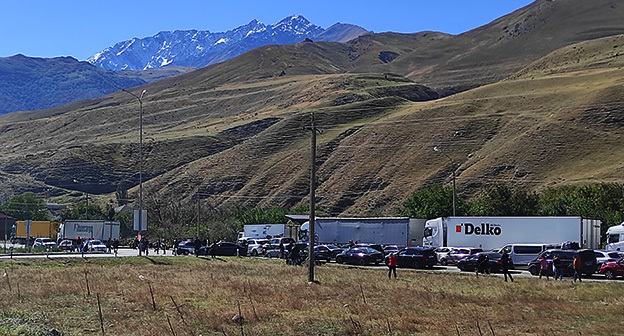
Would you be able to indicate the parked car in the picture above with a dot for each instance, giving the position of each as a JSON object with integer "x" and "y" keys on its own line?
{"x": 96, "y": 246}
{"x": 603, "y": 257}
{"x": 271, "y": 251}
{"x": 377, "y": 247}
{"x": 360, "y": 255}
{"x": 458, "y": 253}
{"x": 186, "y": 247}
{"x": 588, "y": 258}
{"x": 66, "y": 245}
{"x": 322, "y": 252}
{"x": 415, "y": 257}
{"x": 469, "y": 263}
{"x": 442, "y": 251}
{"x": 45, "y": 242}
{"x": 335, "y": 250}
{"x": 390, "y": 249}
{"x": 254, "y": 246}
{"x": 285, "y": 240}
{"x": 613, "y": 269}
{"x": 522, "y": 254}
{"x": 221, "y": 249}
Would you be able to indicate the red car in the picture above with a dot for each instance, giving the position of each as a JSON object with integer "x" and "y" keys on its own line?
{"x": 613, "y": 269}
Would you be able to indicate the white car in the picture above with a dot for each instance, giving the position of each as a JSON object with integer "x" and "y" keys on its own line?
{"x": 96, "y": 246}
{"x": 254, "y": 247}
{"x": 45, "y": 242}
{"x": 603, "y": 257}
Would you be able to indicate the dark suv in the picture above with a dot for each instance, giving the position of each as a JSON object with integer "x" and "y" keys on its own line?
{"x": 588, "y": 258}
{"x": 416, "y": 257}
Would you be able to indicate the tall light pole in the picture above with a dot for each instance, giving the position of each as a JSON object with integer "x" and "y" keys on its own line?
{"x": 452, "y": 165}
{"x": 140, "y": 99}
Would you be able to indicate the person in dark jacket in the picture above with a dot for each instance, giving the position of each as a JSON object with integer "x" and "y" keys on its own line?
{"x": 483, "y": 264}
{"x": 198, "y": 244}
{"x": 505, "y": 261}
{"x": 556, "y": 261}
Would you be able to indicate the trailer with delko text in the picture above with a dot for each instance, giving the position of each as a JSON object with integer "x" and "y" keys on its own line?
{"x": 495, "y": 232}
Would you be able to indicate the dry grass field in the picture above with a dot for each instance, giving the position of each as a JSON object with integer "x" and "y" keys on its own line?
{"x": 275, "y": 299}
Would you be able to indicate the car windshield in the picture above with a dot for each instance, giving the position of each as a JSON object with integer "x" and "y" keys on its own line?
{"x": 47, "y": 240}
{"x": 96, "y": 242}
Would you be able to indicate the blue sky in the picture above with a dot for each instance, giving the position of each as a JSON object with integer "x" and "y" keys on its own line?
{"x": 50, "y": 28}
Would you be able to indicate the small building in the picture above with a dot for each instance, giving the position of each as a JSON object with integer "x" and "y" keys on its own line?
{"x": 6, "y": 224}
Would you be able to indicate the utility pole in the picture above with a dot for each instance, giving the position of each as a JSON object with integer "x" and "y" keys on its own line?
{"x": 311, "y": 240}
{"x": 437, "y": 149}
{"x": 198, "y": 214}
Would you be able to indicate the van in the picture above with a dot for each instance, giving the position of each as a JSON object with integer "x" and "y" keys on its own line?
{"x": 522, "y": 254}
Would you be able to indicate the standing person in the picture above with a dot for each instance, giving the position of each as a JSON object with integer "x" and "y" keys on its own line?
{"x": 145, "y": 246}
{"x": 197, "y": 246}
{"x": 213, "y": 250}
{"x": 116, "y": 245}
{"x": 543, "y": 267}
{"x": 578, "y": 264}
{"x": 483, "y": 264}
{"x": 505, "y": 261}
{"x": 281, "y": 250}
{"x": 392, "y": 265}
{"x": 557, "y": 267}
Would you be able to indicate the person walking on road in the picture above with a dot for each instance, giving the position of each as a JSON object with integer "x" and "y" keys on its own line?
{"x": 392, "y": 265}
{"x": 483, "y": 264}
{"x": 578, "y": 264}
{"x": 556, "y": 261}
{"x": 505, "y": 261}
{"x": 198, "y": 244}
{"x": 543, "y": 267}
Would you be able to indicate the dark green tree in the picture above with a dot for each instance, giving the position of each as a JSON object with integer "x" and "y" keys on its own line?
{"x": 431, "y": 202}
{"x": 604, "y": 201}
{"x": 122, "y": 193}
{"x": 503, "y": 200}
{"x": 26, "y": 206}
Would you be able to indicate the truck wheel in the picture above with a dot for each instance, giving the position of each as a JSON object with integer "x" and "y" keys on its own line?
{"x": 443, "y": 262}
{"x": 609, "y": 274}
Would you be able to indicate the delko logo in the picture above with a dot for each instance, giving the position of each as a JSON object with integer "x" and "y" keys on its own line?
{"x": 485, "y": 229}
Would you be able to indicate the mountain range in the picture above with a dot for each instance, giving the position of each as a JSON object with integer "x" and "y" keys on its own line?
{"x": 533, "y": 98}
{"x": 195, "y": 48}
{"x": 28, "y": 83}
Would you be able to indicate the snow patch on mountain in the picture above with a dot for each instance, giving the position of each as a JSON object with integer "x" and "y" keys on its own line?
{"x": 198, "y": 48}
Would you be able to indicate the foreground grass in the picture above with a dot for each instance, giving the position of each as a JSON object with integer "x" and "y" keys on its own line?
{"x": 275, "y": 299}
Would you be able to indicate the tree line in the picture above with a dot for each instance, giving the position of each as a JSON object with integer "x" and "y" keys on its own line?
{"x": 171, "y": 219}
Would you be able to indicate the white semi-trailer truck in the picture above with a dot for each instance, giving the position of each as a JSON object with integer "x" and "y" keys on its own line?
{"x": 88, "y": 229}
{"x": 401, "y": 231}
{"x": 615, "y": 238}
{"x": 495, "y": 232}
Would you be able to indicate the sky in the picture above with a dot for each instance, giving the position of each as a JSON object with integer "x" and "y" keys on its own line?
{"x": 51, "y": 28}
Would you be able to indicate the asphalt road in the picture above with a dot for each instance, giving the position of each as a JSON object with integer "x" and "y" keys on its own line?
{"x": 128, "y": 252}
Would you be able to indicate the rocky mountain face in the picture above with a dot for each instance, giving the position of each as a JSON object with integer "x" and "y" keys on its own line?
{"x": 197, "y": 49}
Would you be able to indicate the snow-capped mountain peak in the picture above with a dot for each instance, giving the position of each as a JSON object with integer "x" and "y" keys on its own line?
{"x": 197, "y": 48}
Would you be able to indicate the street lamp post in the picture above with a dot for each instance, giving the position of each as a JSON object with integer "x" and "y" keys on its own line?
{"x": 437, "y": 149}
{"x": 140, "y": 99}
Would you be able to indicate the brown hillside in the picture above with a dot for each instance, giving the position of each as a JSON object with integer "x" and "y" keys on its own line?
{"x": 234, "y": 132}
